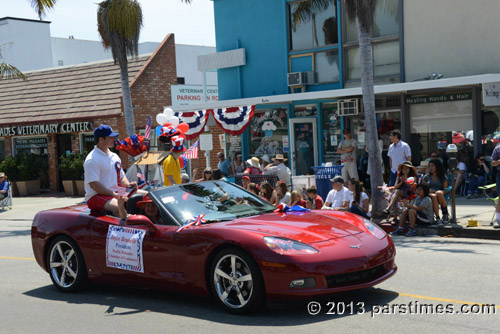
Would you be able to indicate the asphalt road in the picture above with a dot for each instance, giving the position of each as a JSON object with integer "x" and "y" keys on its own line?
{"x": 432, "y": 272}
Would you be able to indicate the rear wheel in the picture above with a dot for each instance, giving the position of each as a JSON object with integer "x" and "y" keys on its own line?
{"x": 236, "y": 281}
{"x": 66, "y": 265}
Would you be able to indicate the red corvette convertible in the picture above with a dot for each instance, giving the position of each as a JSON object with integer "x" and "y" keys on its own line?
{"x": 214, "y": 238}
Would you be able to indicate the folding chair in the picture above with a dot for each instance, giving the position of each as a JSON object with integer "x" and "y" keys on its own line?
{"x": 488, "y": 194}
{"x": 7, "y": 201}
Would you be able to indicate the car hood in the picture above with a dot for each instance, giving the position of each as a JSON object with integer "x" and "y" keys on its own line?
{"x": 304, "y": 227}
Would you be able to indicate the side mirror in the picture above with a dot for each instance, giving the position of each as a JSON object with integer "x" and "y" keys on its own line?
{"x": 141, "y": 220}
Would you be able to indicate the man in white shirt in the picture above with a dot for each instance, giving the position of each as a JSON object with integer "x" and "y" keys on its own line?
{"x": 105, "y": 182}
{"x": 279, "y": 168}
{"x": 338, "y": 198}
{"x": 398, "y": 153}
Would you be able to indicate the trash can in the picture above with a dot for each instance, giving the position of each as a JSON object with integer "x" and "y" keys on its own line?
{"x": 323, "y": 175}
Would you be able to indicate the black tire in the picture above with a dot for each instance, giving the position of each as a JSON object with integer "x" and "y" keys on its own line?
{"x": 66, "y": 265}
{"x": 246, "y": 293}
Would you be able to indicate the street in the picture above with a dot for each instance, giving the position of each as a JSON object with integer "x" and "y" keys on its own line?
{"x": 436, "y": 275}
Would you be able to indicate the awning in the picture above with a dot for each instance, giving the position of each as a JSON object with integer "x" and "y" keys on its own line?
{"x": 405, "y": 87}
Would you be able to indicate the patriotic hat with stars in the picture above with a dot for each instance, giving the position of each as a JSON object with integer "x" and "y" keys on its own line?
{"x": 177, "y": 144}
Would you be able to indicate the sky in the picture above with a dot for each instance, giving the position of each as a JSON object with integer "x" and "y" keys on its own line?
{"x": 191, "y": 23}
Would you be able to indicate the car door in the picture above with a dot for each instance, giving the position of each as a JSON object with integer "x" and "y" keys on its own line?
{"x": 153, "y": 250}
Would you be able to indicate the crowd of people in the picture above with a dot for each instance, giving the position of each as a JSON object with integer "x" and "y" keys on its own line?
{"x": 418, "y": 192}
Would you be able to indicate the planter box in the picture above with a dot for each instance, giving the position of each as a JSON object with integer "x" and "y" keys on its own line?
{"x": 69, "y": 187}
{"x": 27, "y": 188}
{"x": 80, "y": 187}
{"x": 15, "y": 191}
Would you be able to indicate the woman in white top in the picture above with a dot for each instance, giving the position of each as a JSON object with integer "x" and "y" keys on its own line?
{"x": 238, "y": 164}
{"x": 359, "y": 202}
{"x": 283, "y": 194}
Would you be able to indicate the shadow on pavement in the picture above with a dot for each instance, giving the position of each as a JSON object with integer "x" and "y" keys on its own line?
{"x": 276, "y": 314}
{"x": 437, "y": 244}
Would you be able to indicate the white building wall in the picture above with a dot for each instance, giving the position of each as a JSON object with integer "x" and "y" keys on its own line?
{"x": 66, "y": 51}
{"x": 77, "y": 51}
{"x": 452, "y": 37}
{"x": 25, "y": 43}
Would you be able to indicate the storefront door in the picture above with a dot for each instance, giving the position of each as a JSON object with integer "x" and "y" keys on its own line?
{"x": 304, "y": 145}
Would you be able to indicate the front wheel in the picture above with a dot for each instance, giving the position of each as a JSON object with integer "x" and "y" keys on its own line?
{"x": 236, "y": 281}
{"x": 66, "y": 265}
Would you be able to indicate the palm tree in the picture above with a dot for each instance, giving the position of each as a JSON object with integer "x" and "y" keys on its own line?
{"x": 362, "y": 11}
{"x": 119, "y": 23}
{"x": 10, "y": 72}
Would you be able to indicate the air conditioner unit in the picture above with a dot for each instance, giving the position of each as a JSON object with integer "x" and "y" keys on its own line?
{"x": 300, "y": 78}
{"x": 349, "y": 107}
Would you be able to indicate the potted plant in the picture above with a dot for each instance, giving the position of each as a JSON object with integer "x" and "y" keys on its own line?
{"x": 28, "y": 182}
{"x": 9, "y": 167}
{"x": 66, "y": 169}
{"x": 78, "y": 172}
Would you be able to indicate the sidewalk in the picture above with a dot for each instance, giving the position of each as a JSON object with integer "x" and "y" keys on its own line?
{"x": 25, "y": 208}
{"x": 479, "y": 209}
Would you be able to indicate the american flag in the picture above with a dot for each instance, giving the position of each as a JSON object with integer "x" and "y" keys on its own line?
{"x": 192, "y": 152}
{"x": 147, "y": 133}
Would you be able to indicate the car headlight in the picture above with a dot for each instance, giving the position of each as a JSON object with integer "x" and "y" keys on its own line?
{"x": 288, "y": 247}
{"x": 374, "y": 230}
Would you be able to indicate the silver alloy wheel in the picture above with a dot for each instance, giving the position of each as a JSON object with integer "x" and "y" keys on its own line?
{"x": 63, "y": 264}
{"x": 233, "y": 281}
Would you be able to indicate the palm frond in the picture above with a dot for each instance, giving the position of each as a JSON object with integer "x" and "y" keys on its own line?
{"x": 41, "y": 6}
{"x": 119, "y": 24}
{"x": 303, "y": 11}
{"x": 10, "y": 72}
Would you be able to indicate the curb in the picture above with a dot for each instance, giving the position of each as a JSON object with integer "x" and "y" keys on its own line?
{"x": 456, "y": 231}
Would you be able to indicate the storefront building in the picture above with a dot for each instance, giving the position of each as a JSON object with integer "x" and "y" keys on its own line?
{"x": 301, "y": 70}
{"x": 54, "y": 112}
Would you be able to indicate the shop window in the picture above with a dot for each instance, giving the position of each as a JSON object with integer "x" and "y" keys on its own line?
{"x": 385, "y": 42}
{"x": 307, "y": 110}
{"x": 312, "y": 26}
{"x": 385, "y": 21}
{"x": 327, "y": 66}
{"x": 385, "y": 60}
{"x": 438, "y": 124}
{"x": 2, "y": 149}
{"x": 233, "y": 146}
{"x": 87, "y": 142}
{"x": 490, "y": 134}
{"x": 269, "y": 133}
{"x": 331, "y": 132}
{"x": 37, "y": 146}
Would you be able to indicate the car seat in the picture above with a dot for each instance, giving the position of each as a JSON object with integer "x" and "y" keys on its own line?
{"x": 132, "y": 207}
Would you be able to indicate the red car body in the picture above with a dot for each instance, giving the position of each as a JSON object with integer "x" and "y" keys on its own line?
{"x": 349, "y": 256}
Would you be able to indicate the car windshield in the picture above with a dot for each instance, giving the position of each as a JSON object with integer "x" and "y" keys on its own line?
{"x": 217, "y": 200}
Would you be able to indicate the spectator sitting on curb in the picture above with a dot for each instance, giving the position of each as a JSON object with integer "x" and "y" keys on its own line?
{"x": 296, "y": 199}
{"x": 338, "y": 197}
{"x": 245, "y": 181}
{"x": 314, "y": 201}
{"x": 254, "y": 188}
{"x": 420, "y": 211}
{"x": 284, "y": 195}
{"x": 359, "y": 202}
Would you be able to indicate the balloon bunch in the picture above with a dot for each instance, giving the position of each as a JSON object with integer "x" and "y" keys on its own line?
{"x": 411, "y": 188}
{"x": 133, "y": 145}
{"x": 169, "y": 127}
